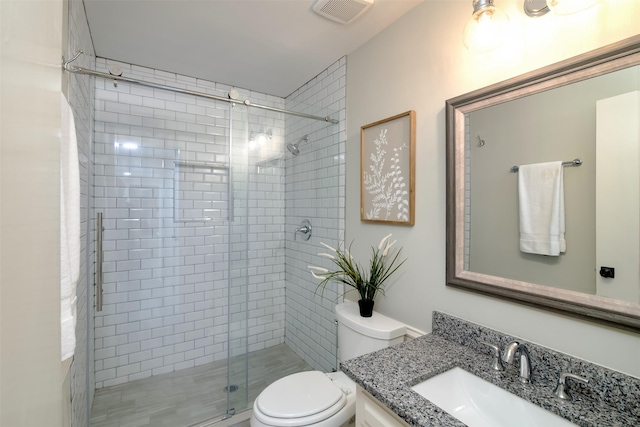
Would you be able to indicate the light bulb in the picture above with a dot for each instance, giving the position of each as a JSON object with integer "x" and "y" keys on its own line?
{"x": 486, "y": 28}
{"x": 567, "y": 7}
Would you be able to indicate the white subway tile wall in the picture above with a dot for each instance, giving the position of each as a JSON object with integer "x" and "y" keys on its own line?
{"x": 162, "y": 165}
{"x": 315, "y": 190}
{"x": 80, "y": 97}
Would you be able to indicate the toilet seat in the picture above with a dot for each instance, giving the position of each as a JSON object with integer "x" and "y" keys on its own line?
{"x": 299, "y": 399}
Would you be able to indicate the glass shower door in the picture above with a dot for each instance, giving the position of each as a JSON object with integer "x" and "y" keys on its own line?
{"x": 192, "y": 192}
{"x": 256, "y": 265}
{"x": 162, "y": 339}
{"x": 238, "y": 262}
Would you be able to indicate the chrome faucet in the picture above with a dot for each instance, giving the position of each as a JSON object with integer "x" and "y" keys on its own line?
{"x": 525, "y": 360}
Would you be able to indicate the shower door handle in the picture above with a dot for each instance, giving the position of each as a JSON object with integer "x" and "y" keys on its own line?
{"x": 99, "y": 231}
{"x": 230, "y": 207}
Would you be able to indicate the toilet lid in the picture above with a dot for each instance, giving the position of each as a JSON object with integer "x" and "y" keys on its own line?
{"x": 301, "y": 395}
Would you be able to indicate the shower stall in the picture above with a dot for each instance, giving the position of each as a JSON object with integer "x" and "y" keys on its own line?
{"x": 203, "y": 297}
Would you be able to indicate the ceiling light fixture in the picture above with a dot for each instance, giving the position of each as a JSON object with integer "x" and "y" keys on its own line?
{"x": 486, "y": 28}
{"x": 535, "y": 8}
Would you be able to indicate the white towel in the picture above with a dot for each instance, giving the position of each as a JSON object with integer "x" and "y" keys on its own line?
{"x": 69, "y": 230}
{"x": 541, "y": 195}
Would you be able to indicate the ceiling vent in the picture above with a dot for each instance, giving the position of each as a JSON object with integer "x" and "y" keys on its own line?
{"x": 342, "y": 11}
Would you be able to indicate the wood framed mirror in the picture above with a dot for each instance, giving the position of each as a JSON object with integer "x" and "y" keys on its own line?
{"x": 557, "y": 113}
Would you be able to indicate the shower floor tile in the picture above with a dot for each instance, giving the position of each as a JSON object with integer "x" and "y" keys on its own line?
{"x": 193, "y": 395}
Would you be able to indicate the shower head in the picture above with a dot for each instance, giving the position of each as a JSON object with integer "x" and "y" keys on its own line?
{"x": 293, "y": 148}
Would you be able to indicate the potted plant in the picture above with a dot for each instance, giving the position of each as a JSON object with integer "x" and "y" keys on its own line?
{"x": 366, "y": 281}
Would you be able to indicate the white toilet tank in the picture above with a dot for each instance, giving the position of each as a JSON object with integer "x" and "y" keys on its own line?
{"x": 359, "y": 335}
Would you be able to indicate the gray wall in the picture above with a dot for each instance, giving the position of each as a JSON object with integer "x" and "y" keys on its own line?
{"x": 418, "y": 63}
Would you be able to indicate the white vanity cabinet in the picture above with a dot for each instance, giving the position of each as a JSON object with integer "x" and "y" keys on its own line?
{"x": 371, "y": 413}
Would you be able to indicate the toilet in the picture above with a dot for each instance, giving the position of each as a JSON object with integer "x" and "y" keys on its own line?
{"x": 319, "y": 399}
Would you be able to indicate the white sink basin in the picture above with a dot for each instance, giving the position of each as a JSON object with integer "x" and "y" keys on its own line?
{"x": 478, "y": 403}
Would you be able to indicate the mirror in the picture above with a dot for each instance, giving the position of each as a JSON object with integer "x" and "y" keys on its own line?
{"x": 575, "y": 109}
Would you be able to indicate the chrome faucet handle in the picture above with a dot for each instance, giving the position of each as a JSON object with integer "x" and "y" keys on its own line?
{"x": 510, "y": 352}
{"x": 561, "y": 390}
{"x": 496, "y": 364}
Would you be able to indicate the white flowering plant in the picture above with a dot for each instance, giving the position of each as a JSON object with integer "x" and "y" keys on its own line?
{"x": 366, "y": 281}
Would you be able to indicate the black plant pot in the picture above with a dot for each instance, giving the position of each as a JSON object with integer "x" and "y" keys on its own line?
{"x": 366, "y": 307}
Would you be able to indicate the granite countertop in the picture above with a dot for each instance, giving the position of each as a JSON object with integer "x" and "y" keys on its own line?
{"x": 390, "y": 373}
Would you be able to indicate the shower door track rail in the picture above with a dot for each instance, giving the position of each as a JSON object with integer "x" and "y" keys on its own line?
{"x": 66, "y": 65}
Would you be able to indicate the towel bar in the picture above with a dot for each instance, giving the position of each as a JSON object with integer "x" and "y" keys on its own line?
{"x": 574, "y": 162}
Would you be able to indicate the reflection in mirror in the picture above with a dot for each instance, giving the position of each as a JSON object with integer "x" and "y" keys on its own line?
{"x": 587, "y": 107}
{"x": 559, "y": 124}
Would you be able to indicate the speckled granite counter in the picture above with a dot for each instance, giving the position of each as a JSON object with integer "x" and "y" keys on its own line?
{"x": 610, "y": 399}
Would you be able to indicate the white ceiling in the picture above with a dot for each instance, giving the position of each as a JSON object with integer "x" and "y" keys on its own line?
{"x": 269, "y": 46}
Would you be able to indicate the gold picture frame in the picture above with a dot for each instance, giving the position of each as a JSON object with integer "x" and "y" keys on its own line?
{"x": 387, "y": 170}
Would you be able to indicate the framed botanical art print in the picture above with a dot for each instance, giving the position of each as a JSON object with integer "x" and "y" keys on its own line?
{"x": 387, "y": 168}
